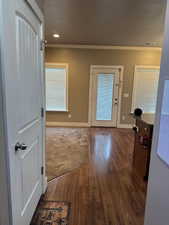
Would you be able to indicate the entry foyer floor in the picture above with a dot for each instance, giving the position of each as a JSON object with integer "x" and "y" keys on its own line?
{"x": 105, "y": 191}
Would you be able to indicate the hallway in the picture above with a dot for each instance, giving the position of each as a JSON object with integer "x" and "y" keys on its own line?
{"x": 105, "y": 191}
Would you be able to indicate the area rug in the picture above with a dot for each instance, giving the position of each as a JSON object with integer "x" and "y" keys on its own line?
{"x": 51, "y": 213}
{"x": 66, "y": 150}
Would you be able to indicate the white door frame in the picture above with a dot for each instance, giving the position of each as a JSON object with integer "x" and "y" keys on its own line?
{"x": 121, "y": 69}
{"x": 6, "y": 210}
{"x": 5, "y": 192}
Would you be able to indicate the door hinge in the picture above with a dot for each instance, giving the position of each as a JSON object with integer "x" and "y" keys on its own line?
{"x": 42, "y": 44}
{"x": 42, "y": 170}
{"x": 42, "y": 112}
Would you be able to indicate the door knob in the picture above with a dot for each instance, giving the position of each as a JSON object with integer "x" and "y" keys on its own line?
{"x": 20, "y": 146}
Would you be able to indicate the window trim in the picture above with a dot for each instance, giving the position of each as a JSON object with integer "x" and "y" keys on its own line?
{"x": 136, "y": 67}
{"x": 59, "y": 65}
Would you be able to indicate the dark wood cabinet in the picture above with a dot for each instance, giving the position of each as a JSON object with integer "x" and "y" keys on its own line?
{"x": 142, "y": 146}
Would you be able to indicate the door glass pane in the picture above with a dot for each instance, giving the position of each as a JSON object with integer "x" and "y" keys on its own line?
{"x": 104, "y": 96}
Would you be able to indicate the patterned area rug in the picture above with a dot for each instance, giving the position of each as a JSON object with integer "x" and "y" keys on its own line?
{"x": 66, "y": 149}
{"x": 51, "y": 213}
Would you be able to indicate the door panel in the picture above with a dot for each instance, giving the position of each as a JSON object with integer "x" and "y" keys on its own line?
{"x": 23, "y": 92}
{"x": 29, "y": 172}
{"x": 27, "y": 67}
{"x": 29, "y": 99}
{"x": 105, "y": 93}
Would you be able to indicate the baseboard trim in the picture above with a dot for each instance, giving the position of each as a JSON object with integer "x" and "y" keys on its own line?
{"x": 67, "y": 124}
{"x": 81, "y": 124}
{"x": 127, "y": 126}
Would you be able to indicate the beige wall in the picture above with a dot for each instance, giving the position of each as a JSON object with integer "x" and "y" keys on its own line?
{"x": 79, "y": 61}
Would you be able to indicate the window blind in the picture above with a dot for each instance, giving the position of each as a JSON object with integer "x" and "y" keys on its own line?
{"x": 104, "y": 96}
{"x": 56, "y": 89}
{"x": 145, "y": 89}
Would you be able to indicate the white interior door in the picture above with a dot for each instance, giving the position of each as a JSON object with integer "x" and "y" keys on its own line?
{"x": 105, "y": 97}
{"x": 23, "y": 91}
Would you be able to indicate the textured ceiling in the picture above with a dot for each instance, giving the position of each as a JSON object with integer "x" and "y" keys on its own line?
{"x": 105, "y": 22}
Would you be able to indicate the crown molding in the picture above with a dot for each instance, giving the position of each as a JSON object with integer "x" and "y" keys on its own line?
{"x": 104, "y": 47}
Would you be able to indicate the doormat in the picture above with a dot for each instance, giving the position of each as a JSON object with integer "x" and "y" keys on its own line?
{"x": 52, "y": 213}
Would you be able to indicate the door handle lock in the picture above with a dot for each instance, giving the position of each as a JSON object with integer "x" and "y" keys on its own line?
{"x": 20, "y": 146}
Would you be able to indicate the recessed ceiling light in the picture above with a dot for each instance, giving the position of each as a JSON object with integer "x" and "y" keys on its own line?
{"x": 56, "y": 35}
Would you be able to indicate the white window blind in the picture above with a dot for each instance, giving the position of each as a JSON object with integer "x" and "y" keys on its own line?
{"x": 145, "y": 89}
{"x": 56, "y": 88}
{"x": 104, "y": 96}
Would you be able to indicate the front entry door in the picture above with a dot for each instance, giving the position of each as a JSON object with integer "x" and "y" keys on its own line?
{"x": 105, "y": 97}
{"x": 23, "y": 91}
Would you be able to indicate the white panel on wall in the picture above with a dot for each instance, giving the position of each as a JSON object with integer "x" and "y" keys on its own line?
{"x": 163, "y": 141}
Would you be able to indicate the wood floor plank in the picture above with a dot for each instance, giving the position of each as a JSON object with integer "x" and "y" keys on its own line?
{"x": 106, "y": 191}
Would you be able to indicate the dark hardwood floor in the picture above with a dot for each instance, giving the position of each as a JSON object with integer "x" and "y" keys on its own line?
{"x": 106, "y": 191}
